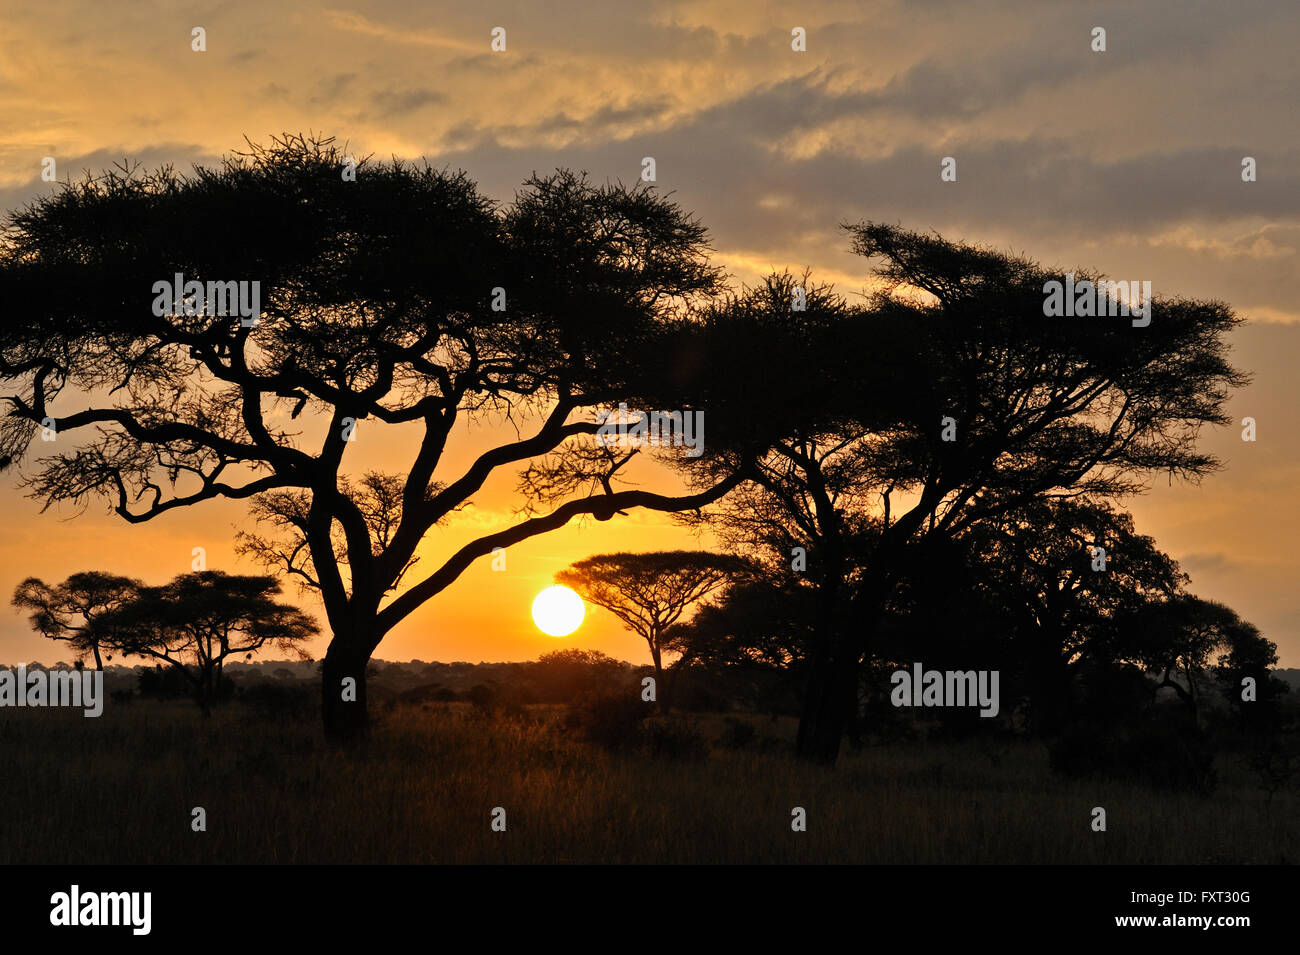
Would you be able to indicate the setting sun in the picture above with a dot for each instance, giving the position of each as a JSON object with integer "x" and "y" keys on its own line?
{"x": 558, "y": 611}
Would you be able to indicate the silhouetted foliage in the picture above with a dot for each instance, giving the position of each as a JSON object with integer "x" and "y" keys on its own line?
{"x": 650, "y": 592}
{"x": 1187, "y": 641}
{"x": 855, "y": 467}
{"x": 164, "y": 683}
{"x": 563, "y": 676}
{"x": 197, "y": 621}
{"x": 376, "y": 308}
{"x": 69, "y": 611}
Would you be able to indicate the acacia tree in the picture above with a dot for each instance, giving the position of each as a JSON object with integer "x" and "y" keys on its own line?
{"x": 968, "y": 403}
{"x": 763, "y": 622}
{"x": 1185, "y": 639}
{"x": 399, "y": 297}
{"x": 1069, "y": 574}
{"x": 754, "y": 635}
{"x": 198, "y": 620}
{"x": 69, "y": 611}
{"x": 650, "y": 592}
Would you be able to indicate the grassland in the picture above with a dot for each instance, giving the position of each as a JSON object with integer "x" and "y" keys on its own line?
{"x": 120, "y": 789}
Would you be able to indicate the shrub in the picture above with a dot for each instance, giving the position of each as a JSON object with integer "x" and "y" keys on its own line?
{"x": 623, "y": 722}
{"x": 564, "y": 675}
{"x": 163, "y": 683}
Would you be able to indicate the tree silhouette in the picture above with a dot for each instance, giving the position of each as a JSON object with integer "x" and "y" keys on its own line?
{"x": 950, "y": 398}
{"x": 562, "y": 676}
{"x": 1039, "y": 565}
{"x": 198, "y": 620}
{"x": 403, "y": 298}
{"x": 755, "y": 635}
{"x": 70, "y": 611}
{"x": 650, "y": 592}
{"x": 1193, "y": 638}
{"x": 763, "y": 621}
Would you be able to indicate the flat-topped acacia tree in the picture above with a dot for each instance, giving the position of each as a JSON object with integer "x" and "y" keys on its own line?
{"x": 650, "y": 592}
{"x": 398, "y": 296}
{"x": 68, "y": 611}
{"x": 947, "y": 399}
{"x": 197, "y": 621}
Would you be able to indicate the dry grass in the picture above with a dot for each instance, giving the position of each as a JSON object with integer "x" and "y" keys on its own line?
{"x": 121, "y": 788}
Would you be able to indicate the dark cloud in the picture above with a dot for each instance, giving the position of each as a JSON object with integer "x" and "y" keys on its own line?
{"x": 391, "y": 102}
{"x": 725, "y": 157}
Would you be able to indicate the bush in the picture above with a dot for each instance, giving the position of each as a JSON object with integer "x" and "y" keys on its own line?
{"x": 163, "y": 683}
{"x": 624, "y": 723}
{"x": 565, "y": 675}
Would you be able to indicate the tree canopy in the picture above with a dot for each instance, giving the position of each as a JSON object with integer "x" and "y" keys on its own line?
{"x": 649, "y": 592}
{"x": 197, "y": 621}
{"x": 401, "y": 297}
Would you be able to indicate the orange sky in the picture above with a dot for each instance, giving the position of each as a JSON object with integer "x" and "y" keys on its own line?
{"x": 1126, "y": 161}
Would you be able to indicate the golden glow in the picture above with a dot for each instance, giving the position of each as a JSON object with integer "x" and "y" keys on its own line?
{"x": 558, "y": 611}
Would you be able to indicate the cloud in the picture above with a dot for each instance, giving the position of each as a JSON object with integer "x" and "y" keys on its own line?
{"x": 1205, "y": 563}
{"x": 393, "y": 102}
{"x": 356, "y": 23}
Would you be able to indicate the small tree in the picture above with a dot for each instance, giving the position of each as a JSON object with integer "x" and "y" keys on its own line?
{"x": 198, "y": 620}
{"x": 650, "y": 592}
{"x": 1187, "y": 640}
{"x": 70, "y": 610}
{"x": 1037, "y": 566}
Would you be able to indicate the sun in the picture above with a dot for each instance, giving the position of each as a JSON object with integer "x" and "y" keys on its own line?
{"x": 558, "y": 611}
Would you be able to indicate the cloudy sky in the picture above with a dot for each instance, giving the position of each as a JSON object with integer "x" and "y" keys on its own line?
{"x": 1127, "y": 160}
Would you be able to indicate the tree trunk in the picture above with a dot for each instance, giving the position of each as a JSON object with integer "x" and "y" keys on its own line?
{"x": 661, "y": 684}
{"x": 1049, "y": 689}
{"x": 827, "y": 701}
{"x": 204, "y": 690}
{"x": 831, "y": 699}
{"x": 828, "y": 704}
{"x": 343, "y": 704}
{"x": 1183, "y": 694}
